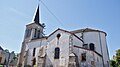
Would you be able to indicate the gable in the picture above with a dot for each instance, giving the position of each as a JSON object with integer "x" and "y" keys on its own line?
{"x": 54, "y": 34}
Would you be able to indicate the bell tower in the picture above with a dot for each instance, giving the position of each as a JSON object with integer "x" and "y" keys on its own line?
{"x": 35, "y": 29}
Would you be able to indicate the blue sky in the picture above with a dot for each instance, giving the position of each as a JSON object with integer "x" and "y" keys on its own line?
{"x": 73, "y": 14}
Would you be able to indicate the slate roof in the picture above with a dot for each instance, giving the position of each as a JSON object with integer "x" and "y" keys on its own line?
{"x": 36, "y": 17}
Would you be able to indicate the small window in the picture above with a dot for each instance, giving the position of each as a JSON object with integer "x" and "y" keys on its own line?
{"x": 38, "y": 35}
{"x": 34, "y": 51}
{"x": 58, "y": 35}
{"x": 35, "y": 34}
{"x": 83, "y": 57}
{"x": 57, "y": 53}
{"x": 92, "y": 46}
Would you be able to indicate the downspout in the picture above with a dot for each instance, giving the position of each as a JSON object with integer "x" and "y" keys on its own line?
{"x": 101, "y": 48}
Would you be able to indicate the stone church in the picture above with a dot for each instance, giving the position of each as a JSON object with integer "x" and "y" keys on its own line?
{"x": 78, "y": 48}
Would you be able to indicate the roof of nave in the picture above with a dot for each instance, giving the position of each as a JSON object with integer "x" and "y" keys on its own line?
{"x": 87, "y": 30}
{"x": 67, "y": 32}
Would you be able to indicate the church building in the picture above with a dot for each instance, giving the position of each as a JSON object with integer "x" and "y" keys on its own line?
{"x": 78, "y": 48}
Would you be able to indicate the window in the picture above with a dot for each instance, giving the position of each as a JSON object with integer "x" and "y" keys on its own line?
{"x": 34, "y": 51}
{"x": 83, "y": 57}
{"x": 35, "y": 34}
{"x": 58, "y": 35}
{"x": 57, "y": 53}
{"x": 38, "y": 35}
{"x": 92, "y": 46}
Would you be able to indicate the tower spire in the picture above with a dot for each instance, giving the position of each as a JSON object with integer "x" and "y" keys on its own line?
{"x": 36, "y": 17}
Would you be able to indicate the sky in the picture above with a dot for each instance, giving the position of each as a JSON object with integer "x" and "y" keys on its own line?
{"x": 73, "y": 14}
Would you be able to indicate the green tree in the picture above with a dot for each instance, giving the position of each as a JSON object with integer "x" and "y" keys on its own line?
{"x": 116, "y": 60}
{"x": 112, "y": 63}
{"x": 117, "y": 57}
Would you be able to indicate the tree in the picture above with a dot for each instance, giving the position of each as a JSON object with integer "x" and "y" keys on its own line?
{"x": 112, "y": 63}
{"x": 117, "y": 57}
{"x": 116, "y": 60}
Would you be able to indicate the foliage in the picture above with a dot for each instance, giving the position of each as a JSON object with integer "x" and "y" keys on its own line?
{"x": 118, "y": 57}
{"x": 112, "y": 63}
{"x": 116, "y": 60}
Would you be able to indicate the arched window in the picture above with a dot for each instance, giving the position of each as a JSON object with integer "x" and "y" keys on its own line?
{"x": 92, "y": 46}
{"x": 57, "y": 53}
